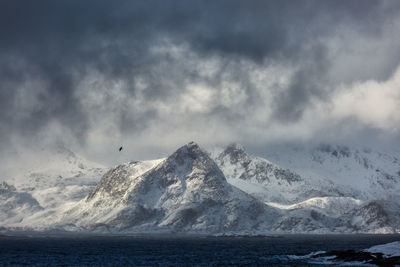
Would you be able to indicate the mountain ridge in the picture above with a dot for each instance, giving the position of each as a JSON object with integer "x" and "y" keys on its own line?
{"x": 184, "y": 192}
{"x": 193, "y": 191}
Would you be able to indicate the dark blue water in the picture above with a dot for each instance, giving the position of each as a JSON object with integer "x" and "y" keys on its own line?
{"x": 163, "y": 251}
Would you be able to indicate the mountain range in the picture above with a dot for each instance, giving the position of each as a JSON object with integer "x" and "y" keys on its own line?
{"x": 324, "y": 189}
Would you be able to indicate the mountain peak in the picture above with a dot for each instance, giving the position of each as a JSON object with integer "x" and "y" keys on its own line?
{"x": 177, "y": 168}
{"x": 191, "y": 150}
{"x": 185, "y": 192}
{"x": 191, "y": 157}
{"x": 192, "y": 146}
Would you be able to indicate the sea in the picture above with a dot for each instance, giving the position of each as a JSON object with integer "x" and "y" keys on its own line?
{"x": 278, "y": 250}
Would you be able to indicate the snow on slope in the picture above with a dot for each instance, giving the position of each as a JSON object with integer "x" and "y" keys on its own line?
{"x": 312, "y": 203}
{"x": 257, "y": 176}
{"x": 51, "y": 168}
{"x": 50, "y": 184}
{"x": 186, "y": 192}
{"x": 190, "y": 192}
{"x": 270, "y": 182}
{"x": 339, "y": 215}
{"x": 335, "y": 205}
{"x": 368, "y": 174}
{"x": 15, "y": 206}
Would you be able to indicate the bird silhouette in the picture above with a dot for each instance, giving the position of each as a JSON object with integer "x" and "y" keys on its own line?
{"x": 120, "y": 149}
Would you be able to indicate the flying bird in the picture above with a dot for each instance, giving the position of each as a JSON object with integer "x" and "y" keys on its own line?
{"x": 120, "y": 149}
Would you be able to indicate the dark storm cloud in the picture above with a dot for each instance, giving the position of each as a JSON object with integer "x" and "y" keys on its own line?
{"x": 59, "y": 42}
{"x": 308, "y": 82}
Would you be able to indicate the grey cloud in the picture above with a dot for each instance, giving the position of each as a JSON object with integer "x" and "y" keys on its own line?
{"x": 308, "y": 83}
{"x": 61, "y": 42}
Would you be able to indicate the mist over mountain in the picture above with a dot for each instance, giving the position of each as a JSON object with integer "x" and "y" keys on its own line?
{"x": 294, "y": 107}
{"x": 328, "y": 189}
{"x": 95, "y": 75}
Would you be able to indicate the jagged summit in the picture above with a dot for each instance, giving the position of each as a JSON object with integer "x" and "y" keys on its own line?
{"x": 190, "y": 150}
{"x": 268, "y": 181}
{"x": 190, "y": 159}
{"x": 237, "y": 163}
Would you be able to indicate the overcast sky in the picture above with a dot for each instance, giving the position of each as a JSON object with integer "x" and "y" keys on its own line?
{"x": 153, "y": 75}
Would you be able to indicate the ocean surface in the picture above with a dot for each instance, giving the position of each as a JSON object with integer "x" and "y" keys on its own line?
{"x": 283, "y": 250}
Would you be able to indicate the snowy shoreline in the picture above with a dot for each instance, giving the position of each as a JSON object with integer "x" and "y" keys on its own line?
{"x": 387, "y": 254}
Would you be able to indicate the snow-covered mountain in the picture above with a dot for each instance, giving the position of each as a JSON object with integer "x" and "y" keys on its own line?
{"x": 45, "y": 186}
{"x": 192, "y": 191}
{"x": 367, "y": 173}
{"x": 270, "y": 182}
{"x": 311, "y": 197}
{"x": 257, "y": 176}
{"x": 14, "y": 206}
{"x": 185, "y": 192}
{"x": 339, "y": 215}
{"x": 58, "y": 166}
